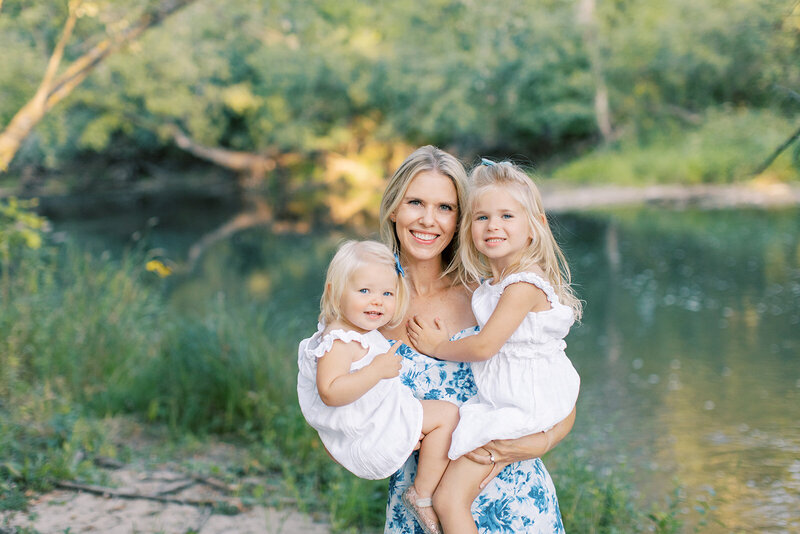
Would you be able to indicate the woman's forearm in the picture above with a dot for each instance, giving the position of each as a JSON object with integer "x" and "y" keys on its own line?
{"x": 561, "y": 429}
{"x": 526, "y": 447}
{"x": 536, "y": 445}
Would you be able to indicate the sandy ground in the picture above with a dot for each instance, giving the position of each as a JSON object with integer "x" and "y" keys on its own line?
{"x": 73, "y": 511}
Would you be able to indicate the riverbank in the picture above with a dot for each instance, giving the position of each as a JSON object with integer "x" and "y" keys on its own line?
{"x": 169, "y": 496}
{"x": 562, "y": 197}
{"x": 558, "y": 196}
{"x": 144, "y": 501}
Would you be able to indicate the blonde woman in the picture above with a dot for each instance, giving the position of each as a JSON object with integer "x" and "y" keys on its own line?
{"x": 525, "y": 308}
{"x": 419, "y": 221}
{"x": 347, "y": 384}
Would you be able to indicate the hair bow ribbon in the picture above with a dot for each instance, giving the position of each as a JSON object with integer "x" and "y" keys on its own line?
{"x": 397, "y": 266}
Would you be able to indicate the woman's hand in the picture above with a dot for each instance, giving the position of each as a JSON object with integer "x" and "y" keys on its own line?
{"x": 502, "y": 452}
{"x": 426, "y": 336}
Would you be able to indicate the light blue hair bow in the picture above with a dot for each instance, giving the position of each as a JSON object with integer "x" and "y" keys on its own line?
{"x": 397, "y": 266}
{"x": 490, "y": 163}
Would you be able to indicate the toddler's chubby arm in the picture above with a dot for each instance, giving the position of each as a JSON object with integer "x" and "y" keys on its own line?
{"x": 337, "y": 386}
{"x": 516, "y": 301}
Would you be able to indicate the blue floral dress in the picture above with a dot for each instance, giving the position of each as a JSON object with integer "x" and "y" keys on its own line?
{"x": 521, "y": 498}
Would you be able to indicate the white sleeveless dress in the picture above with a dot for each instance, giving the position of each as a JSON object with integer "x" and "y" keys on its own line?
{"x": 530, "y": 384}
{"x": 373, "y": 436}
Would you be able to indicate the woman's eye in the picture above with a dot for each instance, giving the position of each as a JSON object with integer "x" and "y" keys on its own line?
{"x": 446, "y": 207}
{"x": 414, "y": 202}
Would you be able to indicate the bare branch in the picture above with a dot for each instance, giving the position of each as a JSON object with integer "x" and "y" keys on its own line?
{"x": 99, "y": 490}
{"x": 794, "y": 94}
{"x": 767, "y": 162}
{"x": 58, "y": 51}
{"x": 236, "y": 160}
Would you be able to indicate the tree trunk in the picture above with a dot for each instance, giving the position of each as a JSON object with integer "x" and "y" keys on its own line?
{"x": 602, "y": 111}
{"x": 252, "y": 166}
{"x": 54, "y": 88}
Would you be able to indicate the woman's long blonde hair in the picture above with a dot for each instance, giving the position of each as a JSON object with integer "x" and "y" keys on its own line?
{"x": 426, "y": 158}
{"x": 543, "y": 250}
{"x": 350, "y": 256}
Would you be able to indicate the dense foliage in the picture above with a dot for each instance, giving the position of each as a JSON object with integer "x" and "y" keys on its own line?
{"x": 275, "y": 76}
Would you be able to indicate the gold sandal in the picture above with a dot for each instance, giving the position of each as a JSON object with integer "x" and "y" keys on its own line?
{"x": 430, "y": 525}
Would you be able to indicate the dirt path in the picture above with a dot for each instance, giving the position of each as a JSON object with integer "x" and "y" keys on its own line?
{"x": 73, "y": 511}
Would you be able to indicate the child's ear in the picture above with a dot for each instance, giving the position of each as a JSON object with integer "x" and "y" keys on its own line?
{"x": 543, "y": 217}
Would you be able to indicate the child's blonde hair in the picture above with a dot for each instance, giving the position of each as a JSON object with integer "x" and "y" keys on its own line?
{"x": 350, "y": 256}
{"x": 543, "y": 250}
{"x": 425, "y": 158}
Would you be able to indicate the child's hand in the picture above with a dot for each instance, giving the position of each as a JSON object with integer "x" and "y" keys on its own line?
{"x": 427, "y": 336}
{"x": 388, "y": 364}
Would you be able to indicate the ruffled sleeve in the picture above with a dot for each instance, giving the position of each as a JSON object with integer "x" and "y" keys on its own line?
{"x": 347, "y": 336}
{"x": 531, "y": 278}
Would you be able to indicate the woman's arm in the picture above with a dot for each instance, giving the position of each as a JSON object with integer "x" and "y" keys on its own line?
{"x": 507, "y": 451}
{"x": 515, "y": 303}
{"x": 337, "y": 386}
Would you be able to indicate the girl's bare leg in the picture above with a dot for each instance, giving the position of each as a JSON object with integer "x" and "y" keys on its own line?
{"x": 439, "y": 419}
{"x": 453, "y": 498}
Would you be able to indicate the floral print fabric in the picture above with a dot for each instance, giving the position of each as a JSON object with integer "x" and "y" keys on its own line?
{"x": 521, "y": 498}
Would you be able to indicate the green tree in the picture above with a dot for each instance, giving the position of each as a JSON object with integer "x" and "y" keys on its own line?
{"x": 261, "y": 85}
{"x": 55, "y": 85}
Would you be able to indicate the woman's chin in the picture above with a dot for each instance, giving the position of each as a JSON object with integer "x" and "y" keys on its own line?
{"x": 423, "y": 251}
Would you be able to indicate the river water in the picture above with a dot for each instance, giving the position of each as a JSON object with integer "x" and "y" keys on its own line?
{"x": 689, "y": 350}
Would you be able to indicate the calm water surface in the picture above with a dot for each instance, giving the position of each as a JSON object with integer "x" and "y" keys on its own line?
{"x": 689, "y": 349}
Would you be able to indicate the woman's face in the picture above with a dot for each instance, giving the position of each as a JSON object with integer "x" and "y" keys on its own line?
{"x": 427, "y": 216}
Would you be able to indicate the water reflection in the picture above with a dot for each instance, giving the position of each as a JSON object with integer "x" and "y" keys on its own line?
{"x": 698, "y": 323}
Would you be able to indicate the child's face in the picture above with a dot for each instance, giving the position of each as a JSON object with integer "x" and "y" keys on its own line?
{"x": 368, "y": 300}
{"x": 499, "y": 226}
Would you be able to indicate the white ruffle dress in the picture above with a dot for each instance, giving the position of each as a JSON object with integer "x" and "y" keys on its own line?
{"x": 373, "y": 436}
{"x": 530, "y": 384}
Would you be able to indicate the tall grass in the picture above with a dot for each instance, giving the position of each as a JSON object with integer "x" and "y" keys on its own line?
{"x": 84, "y": 337}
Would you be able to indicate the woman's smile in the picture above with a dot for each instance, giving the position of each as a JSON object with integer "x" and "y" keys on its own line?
{"x": 424, "y": 237}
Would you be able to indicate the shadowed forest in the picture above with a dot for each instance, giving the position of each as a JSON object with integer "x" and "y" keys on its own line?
{"x": 314, "y": 101}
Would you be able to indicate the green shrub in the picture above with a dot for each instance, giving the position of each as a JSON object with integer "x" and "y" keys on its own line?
{"x": 727, "y": 147}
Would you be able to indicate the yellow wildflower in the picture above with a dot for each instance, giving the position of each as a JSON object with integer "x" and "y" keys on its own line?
{"x": 158, "y": 267}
